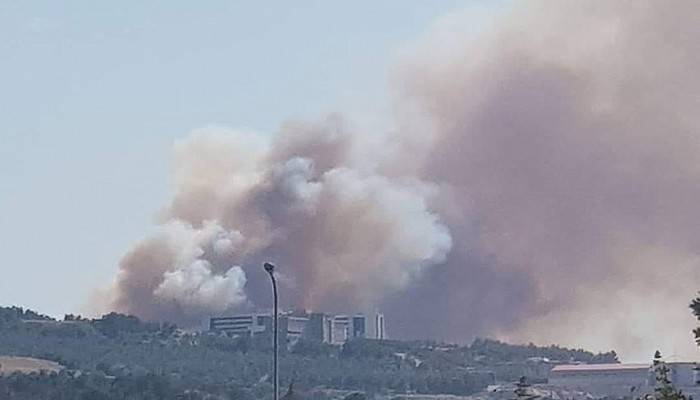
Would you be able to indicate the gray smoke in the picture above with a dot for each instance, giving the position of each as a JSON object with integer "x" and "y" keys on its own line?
{"x": 540, "y": 184}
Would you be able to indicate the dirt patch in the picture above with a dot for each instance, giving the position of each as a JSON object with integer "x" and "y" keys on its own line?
{"x": 26, "y": 365}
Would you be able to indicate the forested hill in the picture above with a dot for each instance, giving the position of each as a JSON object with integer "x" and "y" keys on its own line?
{"x": 117, "y": 354}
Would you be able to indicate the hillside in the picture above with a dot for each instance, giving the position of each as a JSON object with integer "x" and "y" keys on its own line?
{"x": 122, "y": 350}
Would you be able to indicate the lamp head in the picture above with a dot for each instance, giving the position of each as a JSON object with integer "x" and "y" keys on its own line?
{"x": 270, "y": 268}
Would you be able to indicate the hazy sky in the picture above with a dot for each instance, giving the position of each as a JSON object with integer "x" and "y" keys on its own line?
{"x": 93, "y": 95}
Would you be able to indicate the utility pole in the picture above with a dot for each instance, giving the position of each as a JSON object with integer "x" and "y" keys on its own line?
{"x": 270, "y": 269}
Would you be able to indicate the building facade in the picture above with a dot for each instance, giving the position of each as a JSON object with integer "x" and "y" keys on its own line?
{"x": 359, "y": 326}
{"x": 249, "y": 325}
{"x": 321, "y": 327}
{"x": 318, "y": 328}
{"x": 379, "y": 327}
{"x": 238, "y": 325}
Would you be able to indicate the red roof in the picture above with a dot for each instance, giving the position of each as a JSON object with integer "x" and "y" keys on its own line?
{"x": 600, "y": 367}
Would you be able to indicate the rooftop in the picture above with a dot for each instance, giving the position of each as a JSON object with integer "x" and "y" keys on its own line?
{"x": 599, "y": 367}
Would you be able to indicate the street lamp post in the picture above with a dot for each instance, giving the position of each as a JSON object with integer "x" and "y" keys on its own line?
{"x": 270, "y": 269}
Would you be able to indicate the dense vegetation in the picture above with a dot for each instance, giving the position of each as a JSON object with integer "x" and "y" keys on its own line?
{"x": 120, "y": 357}
{"x": 495, "y": 351}
{"x": 71, "y": 386}
{"x": 14, "y": 314}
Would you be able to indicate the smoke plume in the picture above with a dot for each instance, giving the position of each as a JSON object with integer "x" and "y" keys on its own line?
{"x": 540, "y": 184}
{"x": 343, "y": 237}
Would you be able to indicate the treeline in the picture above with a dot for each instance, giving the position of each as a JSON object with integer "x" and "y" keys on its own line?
{"x": 495, "y": 351}
{"x": 15, "y": 314}
{"x": 110, "y": 325}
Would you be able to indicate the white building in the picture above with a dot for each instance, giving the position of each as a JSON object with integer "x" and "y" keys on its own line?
{"x": 296, "y": 326}
{"x": 326, "y": 328}
{"x": 379, "y": 327}
{"x": 622, "y": 379}
{"x": 340, "y": 329}
{"x": 239, "y": 325}
{"x": 343, "y": 328}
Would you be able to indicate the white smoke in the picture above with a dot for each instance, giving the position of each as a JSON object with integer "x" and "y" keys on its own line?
{"x": 186, "y": 270}
{"x": 196, "y": 288}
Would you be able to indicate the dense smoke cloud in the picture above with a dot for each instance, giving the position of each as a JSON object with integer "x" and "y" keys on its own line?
{"x": 345, "y": 237}
{"x": 568, "y": 137}
{"x": 541, "y": 184}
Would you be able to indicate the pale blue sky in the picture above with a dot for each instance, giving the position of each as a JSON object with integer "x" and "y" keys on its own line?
{"x": 92, "y": 95}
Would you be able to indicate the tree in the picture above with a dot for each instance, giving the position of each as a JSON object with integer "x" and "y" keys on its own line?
{"x": 664, "y": 389}
{"x": 695, "y": 306}
{"x": 522, "y": 390}
{"x": 114, "y": 324}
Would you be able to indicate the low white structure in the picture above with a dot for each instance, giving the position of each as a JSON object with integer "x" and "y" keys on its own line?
{"x": 622, "y": 379}
{"x": 379, "y": 326}
{"x": 613, "y": 379}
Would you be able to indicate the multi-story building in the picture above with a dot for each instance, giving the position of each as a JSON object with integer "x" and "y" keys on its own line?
{"x": 379, "y": 327}
{"x": 326, "y": 328}
{"x": 344, "y": 327}
{"x": 296, "y": 325}
{"x": 340, "y": 331}
{"x": 238, "y": 325}
{"x": 318, "y": 328}
{"x": 247, "y": 325}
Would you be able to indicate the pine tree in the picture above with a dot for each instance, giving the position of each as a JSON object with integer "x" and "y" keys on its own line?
{"x": 664, "y": 389}
{"x": 695, "y": 306}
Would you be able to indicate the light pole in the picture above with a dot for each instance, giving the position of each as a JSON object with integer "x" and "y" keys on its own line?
{"x": 270, "y": 269}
